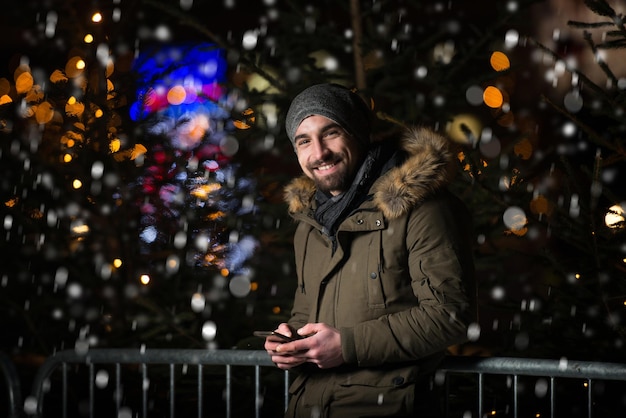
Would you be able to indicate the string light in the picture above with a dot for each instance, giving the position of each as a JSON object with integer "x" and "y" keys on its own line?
{"x": 96, "y": 17}
{"x": 144, "y": 279}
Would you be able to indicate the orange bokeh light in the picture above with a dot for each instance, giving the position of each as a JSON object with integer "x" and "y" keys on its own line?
{"x": 176, "y": 95}
{"x": 499, "y": 61}
{"x": 492, "y": 97}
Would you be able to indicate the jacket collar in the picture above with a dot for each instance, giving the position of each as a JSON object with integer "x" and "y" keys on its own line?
{"x": 426, "y": 168}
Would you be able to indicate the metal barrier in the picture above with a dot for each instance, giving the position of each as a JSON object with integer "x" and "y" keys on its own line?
{"x": 475, "y": 393}
{"x": 12, "y": 382}
{"x": 585, "y": 390}
{"x": 150, "y": 357}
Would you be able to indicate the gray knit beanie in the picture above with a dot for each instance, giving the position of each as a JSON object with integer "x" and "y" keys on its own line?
{"x": 334, "y": 102}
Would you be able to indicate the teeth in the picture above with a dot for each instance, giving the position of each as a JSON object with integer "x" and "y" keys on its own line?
{"x": 325, "y": 167}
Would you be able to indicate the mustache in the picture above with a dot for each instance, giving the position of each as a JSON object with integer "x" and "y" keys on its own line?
{"x": 327, "y": 159}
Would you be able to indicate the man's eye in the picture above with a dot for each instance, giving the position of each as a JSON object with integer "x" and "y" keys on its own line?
{"x": 302, "y": 142}
{"x": 332, "y": 133}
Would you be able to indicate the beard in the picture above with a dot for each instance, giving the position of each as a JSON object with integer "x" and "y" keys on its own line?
{"x": 339, "y": 181}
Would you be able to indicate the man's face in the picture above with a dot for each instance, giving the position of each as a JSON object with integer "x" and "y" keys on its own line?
{"x": 327, "y": 154}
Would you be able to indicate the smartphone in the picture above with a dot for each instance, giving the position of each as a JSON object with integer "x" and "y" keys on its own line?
{"x": 276, "y": 334}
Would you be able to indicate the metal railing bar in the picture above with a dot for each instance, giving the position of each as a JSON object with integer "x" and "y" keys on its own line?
{"x": 535, "y": 367}
{"x": 144, "y": 390}
{"x": 257, "y": 391}
{"x": 552, "y": 396}
{"x": 118, "y": 388}
{"x": 480, "y": 394}
{"x": 91, "y": 390}
{"x": 200, "y": 391}
{"x": 589, "y": 399}
{"x": 286, "y": 391}
{"x": 172, "y": 390}
{"x": 64, "y": 390}
{"x": 228, "y": 383}
{"x": 515, "y": 396}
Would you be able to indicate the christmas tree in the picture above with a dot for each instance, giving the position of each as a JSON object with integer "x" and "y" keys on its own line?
{"x": 131, "y": 218}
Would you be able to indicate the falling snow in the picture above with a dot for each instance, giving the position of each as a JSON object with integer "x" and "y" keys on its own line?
{"x": 144, "y": 207}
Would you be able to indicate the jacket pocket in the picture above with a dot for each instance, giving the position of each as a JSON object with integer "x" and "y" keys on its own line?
{"x": 375, "y": 291}
{"x": 371, "y": 393}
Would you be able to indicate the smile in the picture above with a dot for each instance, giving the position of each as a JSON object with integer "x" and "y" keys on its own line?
{"x": 325, "y": 167}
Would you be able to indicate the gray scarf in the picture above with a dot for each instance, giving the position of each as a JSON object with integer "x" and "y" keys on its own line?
{"x": 331, "y": 210}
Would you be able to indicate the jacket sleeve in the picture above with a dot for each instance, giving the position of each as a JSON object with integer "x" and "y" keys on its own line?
{"x": 442, "y": 279}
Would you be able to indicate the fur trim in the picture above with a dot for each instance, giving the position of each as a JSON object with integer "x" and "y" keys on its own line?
{"x": 298, "y": 194}
{"x": 426, "y": 169}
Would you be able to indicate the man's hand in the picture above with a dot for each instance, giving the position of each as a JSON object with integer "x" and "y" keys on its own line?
{"x": 320, "y": 344}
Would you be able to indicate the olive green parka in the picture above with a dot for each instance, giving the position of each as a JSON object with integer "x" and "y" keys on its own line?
{"x": 399, "y": 286}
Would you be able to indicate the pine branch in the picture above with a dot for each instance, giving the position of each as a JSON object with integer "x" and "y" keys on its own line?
{"x": 600, "y": 7}
{"x": 593, "y": 135}
{"x": 603, "y": 66}
{"x": 586, "y": 81}
{"x": 586, "y": 25}
{"x": 617, "y": 44}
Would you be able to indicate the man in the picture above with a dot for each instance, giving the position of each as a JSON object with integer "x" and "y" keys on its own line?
{"x": 384, "y": 265}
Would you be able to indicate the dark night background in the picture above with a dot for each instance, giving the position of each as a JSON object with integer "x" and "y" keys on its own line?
{"x": 540, "y": 171}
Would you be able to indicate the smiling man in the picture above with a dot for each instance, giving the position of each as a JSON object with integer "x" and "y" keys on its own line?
{"x": 327, "y": 153}
{"x": 384, "y": 264}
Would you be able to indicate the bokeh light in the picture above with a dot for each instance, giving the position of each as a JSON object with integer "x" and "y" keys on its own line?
{"x": 239, "y": 286}
{"x": 209, "y": 330}
{"x": 614, "y": 217}
{"x": 573, "y": 101}
{"x": 464, "y": 128}
{"x": 515, "y": 218}
{"x": 492, "y": 97}
{"x": 176, "y": 95}
{"x": 474, "y": 95}
{"x": 499, "y": 61}
{"x": 198, "y": 302}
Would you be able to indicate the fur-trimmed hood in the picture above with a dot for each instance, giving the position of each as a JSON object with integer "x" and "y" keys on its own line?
{"x": 426, "y": 168}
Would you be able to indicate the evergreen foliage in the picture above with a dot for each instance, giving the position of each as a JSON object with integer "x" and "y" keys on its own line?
{"x": 551, "y": 277}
